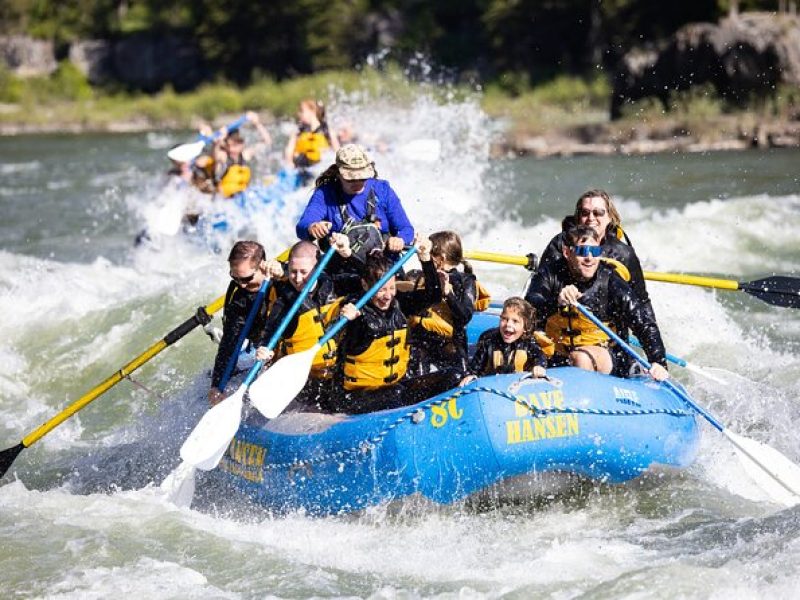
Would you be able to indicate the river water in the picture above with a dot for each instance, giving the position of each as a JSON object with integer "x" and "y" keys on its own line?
{"x": 81, "y": 515}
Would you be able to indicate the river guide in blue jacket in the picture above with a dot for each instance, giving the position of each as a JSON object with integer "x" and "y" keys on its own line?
{"x": 349, "y": 198}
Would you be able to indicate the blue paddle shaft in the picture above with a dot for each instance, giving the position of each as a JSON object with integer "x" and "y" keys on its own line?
{"x": 369, "y": 294}
{"x": 670, "y": 357}
{"x": 248, "y": 324}
{"x": 644, "y": 362}
{"x": 300, "y": 297}
{"x": 229, "y": 127}
{"x": 253, "y": 372}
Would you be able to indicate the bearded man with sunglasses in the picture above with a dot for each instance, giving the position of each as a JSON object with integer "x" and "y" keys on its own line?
{"x": 582, "y": 277}
{"x": 248, "y": 268}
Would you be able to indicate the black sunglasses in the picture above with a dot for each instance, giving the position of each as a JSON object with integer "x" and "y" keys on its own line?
{"x": 243, "y": 280}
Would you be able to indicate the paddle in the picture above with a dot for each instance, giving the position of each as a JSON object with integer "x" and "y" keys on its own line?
{"x": 277, "y": 387}
{"x": 772, "y": 471}
{"x": 209, "y": 439}
{"x": 683, "y": 363}
{"x": 248, "y": 324}
{"x": 777, "y": 290}
{"x": 201, "y": 317}
{"x": 207, "y": 442}
{"x": 188, "y": 152}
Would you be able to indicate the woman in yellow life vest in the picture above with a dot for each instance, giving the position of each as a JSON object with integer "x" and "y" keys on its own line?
{"x": 305, "y": 146}
{"x": 232, "y": 172}
{"x": 509, "y": 348}
{"x": 318, "y": 311}
{"x": 374, "y": 346}
{"x": 439, "y": 335}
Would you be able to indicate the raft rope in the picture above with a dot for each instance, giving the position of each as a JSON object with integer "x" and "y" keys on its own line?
{"x": 418, "y": 414}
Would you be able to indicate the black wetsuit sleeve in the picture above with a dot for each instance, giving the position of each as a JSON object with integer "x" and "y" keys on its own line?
{"x": 631, "y": 312}
{"x": 461, "y": 300}
{"x": 416, "y": 301}
{"x": 543, "y": 295}
{"x": 552, "y": 253}
{"x": 537, "y": 356}
{"x": 479, "y": 359}
{"x": 234, "y": 318}
{"x": 347, "y": 284}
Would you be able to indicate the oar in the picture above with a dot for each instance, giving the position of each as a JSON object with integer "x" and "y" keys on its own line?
{"x": 277, "y": 387}
{"x": 248, "y": 324}
{"x": 778, "y": 476}
{"x": 685, "y": 364}
{"x": 777, "y": 290}
{"x": 208, "y": 441}
{"x": 188, "y": 152}
{"x": 201, "y": 317}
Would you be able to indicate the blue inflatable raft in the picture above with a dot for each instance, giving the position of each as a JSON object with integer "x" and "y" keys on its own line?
{"x": 503, "y": 430}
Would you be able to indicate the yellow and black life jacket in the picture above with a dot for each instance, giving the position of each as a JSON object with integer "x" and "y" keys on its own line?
{"x": 235, "y": 179}
{"x": 311, "y": 326}
{"x": 384, "y": 362}
{"x": 309, "y": 146}
{"x": 438, "y": 318}
{"x": 568, "y": 328}
{"x": 515, "y": 363}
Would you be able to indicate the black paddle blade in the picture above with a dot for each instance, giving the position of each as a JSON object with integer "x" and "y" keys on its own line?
{"x": 777, "y": 290}
{"x": 7, "y": 457}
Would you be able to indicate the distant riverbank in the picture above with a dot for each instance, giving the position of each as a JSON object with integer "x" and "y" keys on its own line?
{"x": 566, "y": 116}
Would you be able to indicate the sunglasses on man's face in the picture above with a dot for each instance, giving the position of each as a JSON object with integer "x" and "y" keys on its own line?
{"x": 597, "y": 212}
{"x": 244, "y": 280}
{"x": 594, "y": 251}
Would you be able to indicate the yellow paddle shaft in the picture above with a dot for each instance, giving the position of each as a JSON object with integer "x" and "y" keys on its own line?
{"x": 711, "y": 282}
{"x": 524, "y": 261}
{"x": 111, "y": 381}
{"x": 496, "y": 257}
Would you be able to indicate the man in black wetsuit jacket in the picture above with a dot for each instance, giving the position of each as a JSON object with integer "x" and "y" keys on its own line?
{"x": 248, "y": 269}
{"x": 581, "y": 277}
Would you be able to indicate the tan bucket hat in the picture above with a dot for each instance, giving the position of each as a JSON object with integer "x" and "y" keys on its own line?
{"x": 354, "y": 163}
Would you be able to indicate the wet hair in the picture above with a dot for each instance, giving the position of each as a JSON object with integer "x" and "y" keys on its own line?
{"x": 234, "y": 136}
{"x": 525, "y": 310}
{"x": 576, "y": 233}
{"x": 304, "y": 249}
{"x": 331, "y": 175}
{"x": 375, "y": 267}
{"x": 447, "y": 244}
{"x": 247, "y": 250}
{"x": 613, "y": 213}
{"x": 316, "y": 105}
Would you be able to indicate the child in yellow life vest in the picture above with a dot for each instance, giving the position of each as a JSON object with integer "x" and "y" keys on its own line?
{"x": 231, "y": 170}
{"x": 305, "y": 146}
{"x": 439, "y": 335}
{"x": 509, "y": 348}
{"x": 374, "y": 346}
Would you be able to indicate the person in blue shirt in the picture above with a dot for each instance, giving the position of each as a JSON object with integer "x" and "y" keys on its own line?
{"x": 349, "y": 198}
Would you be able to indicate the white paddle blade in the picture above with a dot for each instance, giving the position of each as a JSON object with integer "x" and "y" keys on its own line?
{"x": 179, "y": 485}
{"x": 277, "y": 387}
{"x": 703, "y": 372}
{"x": 425, "y": 150}
{"x": 775, "y": 474}
{"x": 186, "y": 152}
{"x": 210, "y": 438}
